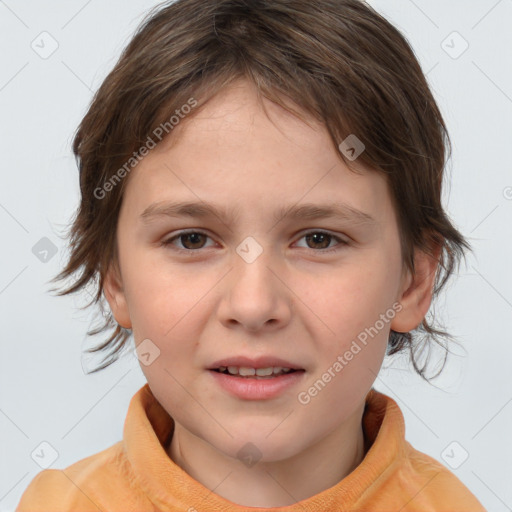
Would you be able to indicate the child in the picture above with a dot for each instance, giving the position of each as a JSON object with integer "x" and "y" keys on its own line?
{"x": 256, "y": 129}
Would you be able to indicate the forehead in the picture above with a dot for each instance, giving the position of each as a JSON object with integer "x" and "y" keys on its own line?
{"x": 237, "y": 152}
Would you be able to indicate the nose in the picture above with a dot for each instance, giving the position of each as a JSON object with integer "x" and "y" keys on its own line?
{"x": 255, "y": 295}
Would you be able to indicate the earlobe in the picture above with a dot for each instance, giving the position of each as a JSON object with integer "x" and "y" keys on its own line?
{"x": 114, "y": 293}
{"x": 416, "y": 293}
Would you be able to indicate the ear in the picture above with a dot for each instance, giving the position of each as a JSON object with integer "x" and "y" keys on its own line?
{"x": 114, "y": 293}
{"x": 415, "y": 294}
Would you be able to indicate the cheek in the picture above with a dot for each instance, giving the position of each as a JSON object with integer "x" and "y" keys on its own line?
{"x": 358, "y": 313}
{"x": 354, "y": 298}
{"x": 357, "y": 308}
{"x": 162, "y": 299}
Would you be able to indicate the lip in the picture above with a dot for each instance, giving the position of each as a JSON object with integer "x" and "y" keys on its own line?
{"x": 249, "y": 388}
{"x": 256, "y": 362}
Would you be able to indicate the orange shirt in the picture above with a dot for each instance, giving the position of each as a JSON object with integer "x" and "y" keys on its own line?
{"x": 137, "y": 475}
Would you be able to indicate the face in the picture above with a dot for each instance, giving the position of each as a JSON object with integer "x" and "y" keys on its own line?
{"x": 254, "y": 281}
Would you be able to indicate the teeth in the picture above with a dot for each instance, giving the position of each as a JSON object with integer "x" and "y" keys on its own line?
{"x": 264, "y": 372}
{"x": 245, "y": 372}
{"x": 249, "y": 372}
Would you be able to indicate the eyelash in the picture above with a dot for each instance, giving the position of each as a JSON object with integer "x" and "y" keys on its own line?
{"x": 169, "y": 241}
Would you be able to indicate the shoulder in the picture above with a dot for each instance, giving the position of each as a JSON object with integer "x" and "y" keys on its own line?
{"x": 51, "y": 489}
{"x": 412, "y": 480}
{"x": 437, "y": 485}
{"x": 94, "y": 483}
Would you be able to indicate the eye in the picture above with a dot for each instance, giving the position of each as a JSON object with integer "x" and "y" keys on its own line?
{"x": 323, "y": 238}
{"x": 194, "y": 240}
{"x": 190, "y": 239}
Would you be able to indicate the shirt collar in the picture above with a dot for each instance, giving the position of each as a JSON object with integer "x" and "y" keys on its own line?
{"x": 148, "y": 428}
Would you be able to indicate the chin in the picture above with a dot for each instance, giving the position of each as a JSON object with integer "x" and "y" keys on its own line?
{"x": 259, "y": 448}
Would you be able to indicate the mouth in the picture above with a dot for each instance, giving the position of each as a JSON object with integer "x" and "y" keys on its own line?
{"x": 263, "y": 379}
{"x": 269, "y": 372}
{"x": 263, "y": 366}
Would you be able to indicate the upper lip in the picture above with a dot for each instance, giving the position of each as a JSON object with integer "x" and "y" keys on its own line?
{"x": 254, "y": 362}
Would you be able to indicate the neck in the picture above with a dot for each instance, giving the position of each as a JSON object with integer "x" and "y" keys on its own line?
{"x": 272, "y": 483}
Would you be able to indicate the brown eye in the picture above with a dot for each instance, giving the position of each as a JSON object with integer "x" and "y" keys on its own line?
{"x": 191, "y": 241}
{"x": 322, "y": 239}
{"x": 319, "y": 241}
{"x": 194, "y": 238}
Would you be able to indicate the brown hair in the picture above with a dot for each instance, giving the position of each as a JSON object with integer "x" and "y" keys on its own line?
{"x": 337, "y": 60}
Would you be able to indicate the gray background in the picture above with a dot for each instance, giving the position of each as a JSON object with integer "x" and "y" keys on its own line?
{"x": 45, "y": 396}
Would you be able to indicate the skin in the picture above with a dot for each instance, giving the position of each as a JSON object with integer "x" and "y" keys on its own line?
{"x": 294, "y": 301}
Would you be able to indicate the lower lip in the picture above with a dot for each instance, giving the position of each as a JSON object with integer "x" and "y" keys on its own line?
{"x": 249, "y": 388}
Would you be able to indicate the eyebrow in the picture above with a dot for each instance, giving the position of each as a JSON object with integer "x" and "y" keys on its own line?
{"x": 304, "y": 211}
